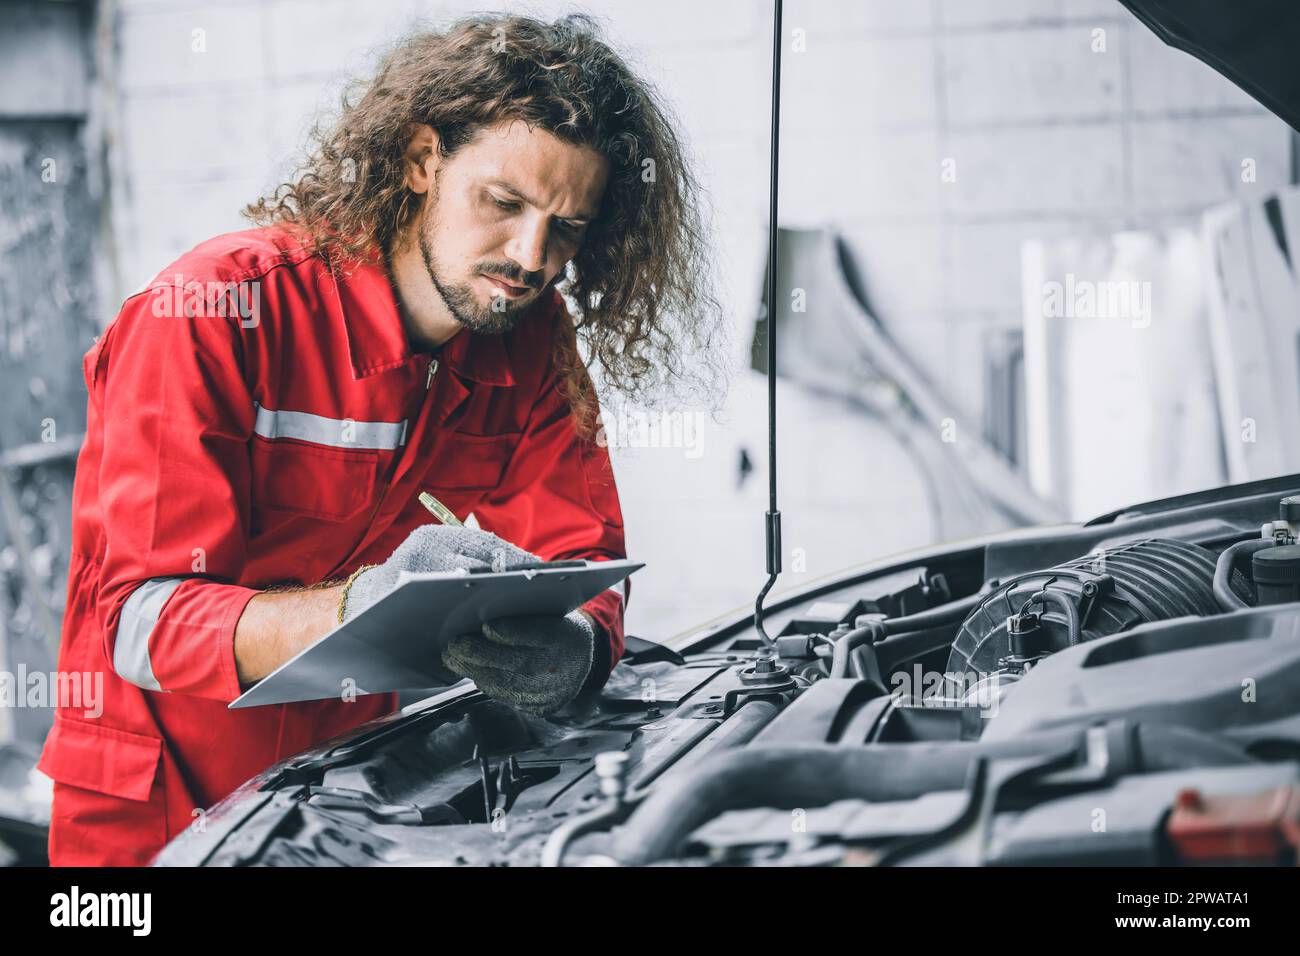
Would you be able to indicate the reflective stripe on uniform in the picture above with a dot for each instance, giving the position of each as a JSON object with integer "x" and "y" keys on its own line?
{"x": 139, "y": 615}
{"x": 336, "y": 432}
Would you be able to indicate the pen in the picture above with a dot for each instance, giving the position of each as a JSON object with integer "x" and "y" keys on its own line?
{"x": 439, "y": 510}
{"x": 443, "y": 514}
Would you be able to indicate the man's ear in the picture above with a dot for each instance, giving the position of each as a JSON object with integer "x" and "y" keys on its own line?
{"x": 422, "y": 158}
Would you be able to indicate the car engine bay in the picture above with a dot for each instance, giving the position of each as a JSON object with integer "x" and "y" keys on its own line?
{"x": 1121, "y": 692}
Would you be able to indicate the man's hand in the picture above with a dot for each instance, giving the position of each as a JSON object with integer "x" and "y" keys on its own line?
{"x": 534, "y": 664}
{"x": 430, "y": 547}
{"x": 276, "y": 625}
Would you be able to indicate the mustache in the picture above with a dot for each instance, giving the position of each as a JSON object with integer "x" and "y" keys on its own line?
{"x": 510, "y": 272}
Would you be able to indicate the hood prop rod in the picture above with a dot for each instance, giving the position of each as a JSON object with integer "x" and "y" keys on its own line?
{"x": 772, "y": 527}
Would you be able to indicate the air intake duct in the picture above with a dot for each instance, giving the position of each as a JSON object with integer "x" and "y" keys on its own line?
{"x": 1103, "y": 593}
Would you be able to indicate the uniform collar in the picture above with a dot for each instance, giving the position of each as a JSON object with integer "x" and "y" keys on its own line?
{"x": 377, "y": 341}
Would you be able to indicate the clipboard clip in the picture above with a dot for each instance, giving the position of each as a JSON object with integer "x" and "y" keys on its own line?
{"x": 531, "y": 566}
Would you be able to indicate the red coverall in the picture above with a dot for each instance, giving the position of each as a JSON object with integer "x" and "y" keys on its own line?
{"x": 278, "y": 436}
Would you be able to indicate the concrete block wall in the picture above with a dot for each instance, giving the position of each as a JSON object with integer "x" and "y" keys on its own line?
{"x": 1049, "y": 135}
{"x": 1059, "y": 117}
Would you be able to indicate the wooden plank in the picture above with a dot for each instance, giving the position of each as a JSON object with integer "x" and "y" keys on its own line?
{"x": 1254, "y": 311}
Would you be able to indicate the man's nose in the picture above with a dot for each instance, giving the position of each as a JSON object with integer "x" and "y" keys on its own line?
{"x": 527, "y": 244}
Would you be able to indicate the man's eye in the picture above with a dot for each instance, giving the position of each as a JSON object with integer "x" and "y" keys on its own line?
{"x": 504, "y": 203}
{"x": 569, "y": 228}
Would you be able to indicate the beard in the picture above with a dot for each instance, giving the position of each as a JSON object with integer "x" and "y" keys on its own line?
{"x": 500, "y": 315}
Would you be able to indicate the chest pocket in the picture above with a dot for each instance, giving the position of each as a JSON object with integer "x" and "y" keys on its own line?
{"x": 319, "y": 467}
{"x": 315, "y": 481}
{"x": 464, "y": 462}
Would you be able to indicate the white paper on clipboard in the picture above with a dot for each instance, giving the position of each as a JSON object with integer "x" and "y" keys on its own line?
{"x": 396, "y": 644}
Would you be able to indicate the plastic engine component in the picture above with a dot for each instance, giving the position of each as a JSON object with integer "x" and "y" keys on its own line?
{"x": 1276, "y": 573}
{"x": 1152, "y": 580}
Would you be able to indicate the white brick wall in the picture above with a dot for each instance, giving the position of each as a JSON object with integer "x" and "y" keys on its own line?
{"x": 1175, "y": 170}
{"x": 1050, "y": 138}
{"x": 1033, "y": 75}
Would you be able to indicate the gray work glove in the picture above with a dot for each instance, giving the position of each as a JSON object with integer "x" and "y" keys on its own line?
{"x": 534, "y": 664}
{"x": 430, "y": 547}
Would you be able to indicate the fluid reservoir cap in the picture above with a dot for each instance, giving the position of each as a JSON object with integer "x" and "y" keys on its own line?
{"x": 1288, "y": 509}
{"x": 1280, "y": 565}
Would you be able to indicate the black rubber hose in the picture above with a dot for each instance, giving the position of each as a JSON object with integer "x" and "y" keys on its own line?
{"x": 1063, "y": 603}
{"x": 954, "y": 612}
{"x": 844, "y": 646}
{"x": 804, "y": 776}
{"x": 1223, "y": 592}
{"x": 736, "y": 731}
{"x": 811, "y": 775}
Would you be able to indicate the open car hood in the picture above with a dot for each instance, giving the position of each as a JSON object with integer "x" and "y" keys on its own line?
{"x": 1251, "y": 42}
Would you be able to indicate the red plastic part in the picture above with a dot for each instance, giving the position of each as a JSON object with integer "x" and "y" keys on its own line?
{"x": 1260, "y": 827}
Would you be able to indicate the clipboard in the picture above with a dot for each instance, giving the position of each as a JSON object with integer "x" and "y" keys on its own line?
{"x": 396, "y": 643}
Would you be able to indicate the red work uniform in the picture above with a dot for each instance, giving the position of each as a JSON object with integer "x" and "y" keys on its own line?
{"x": 257, "y": 418}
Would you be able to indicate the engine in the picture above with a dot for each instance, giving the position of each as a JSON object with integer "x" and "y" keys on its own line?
{"x": 1155, "y": 674}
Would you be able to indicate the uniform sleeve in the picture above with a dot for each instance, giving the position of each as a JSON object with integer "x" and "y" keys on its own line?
{"x": 174, "y": 484}
{"x": 559, "y": 501}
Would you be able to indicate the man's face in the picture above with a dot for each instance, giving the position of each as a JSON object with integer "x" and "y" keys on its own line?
{"x": 504, "y": 215}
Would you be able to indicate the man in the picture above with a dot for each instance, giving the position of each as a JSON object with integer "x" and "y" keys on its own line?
{"x": 263, "y": 416}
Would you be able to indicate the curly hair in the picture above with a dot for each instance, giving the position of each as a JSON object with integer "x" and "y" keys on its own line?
{"x": 640, "y": 289}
